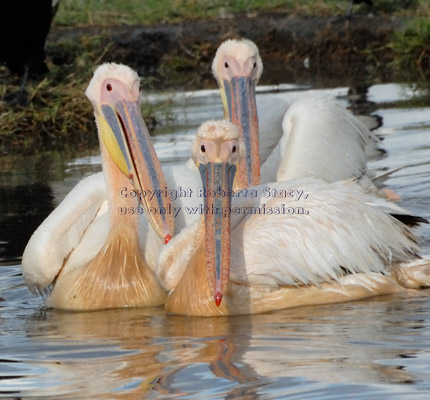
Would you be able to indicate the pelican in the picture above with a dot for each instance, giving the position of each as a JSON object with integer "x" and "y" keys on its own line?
{"x": 117, "y": 275}
{"x": 293, "y": 139}
{"x": 343, "y": 138}
{"x": 333, "y": 244}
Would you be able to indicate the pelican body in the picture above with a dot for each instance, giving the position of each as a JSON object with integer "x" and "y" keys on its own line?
{"x": 334, "y": 244}
{"x": 117, "y": 275}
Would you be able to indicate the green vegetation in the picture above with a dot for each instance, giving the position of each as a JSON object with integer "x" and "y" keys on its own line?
{"x": 58, "y": 109}
{"x": 60, "y": 116}
{"x": 108, "y": 12}
{"x": 411, "y": 48}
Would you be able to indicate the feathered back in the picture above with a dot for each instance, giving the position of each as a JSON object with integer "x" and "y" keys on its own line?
{"x": 319, "y": 136}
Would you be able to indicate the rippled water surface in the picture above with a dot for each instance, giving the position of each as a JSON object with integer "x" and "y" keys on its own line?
{"x": 378, "y": 348}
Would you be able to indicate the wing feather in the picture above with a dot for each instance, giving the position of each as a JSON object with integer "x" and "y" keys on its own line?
{"x": 340, "y": 233}
{"x": 62, "y": 231}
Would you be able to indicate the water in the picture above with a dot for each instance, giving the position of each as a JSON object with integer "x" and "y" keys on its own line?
{"x": 376, "y": 348}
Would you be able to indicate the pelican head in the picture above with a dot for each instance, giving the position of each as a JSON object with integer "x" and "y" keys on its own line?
{"x": 216, "y": 151}
{"x": 114, "y": 93}
{"x": 237, "y": 67}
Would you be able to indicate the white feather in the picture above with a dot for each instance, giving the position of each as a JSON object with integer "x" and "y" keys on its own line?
{"x": 62, "y": 232}
{"x": 341, "y": 233}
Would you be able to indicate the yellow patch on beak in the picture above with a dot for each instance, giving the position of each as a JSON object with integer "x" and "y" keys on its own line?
{"x": 224, "y": 99}
{"x": 112, "y": 145}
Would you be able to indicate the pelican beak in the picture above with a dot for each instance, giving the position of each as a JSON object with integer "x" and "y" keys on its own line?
{"x": 218, "y": 180}
{"x": 238, "y": 98}
{"x": 127, "y": 140}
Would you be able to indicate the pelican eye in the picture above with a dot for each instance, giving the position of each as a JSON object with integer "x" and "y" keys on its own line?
{"x": 255, "y": 65}
{"x": 203, "y": 148}
{"x": 109, "y": 87}
{"x": 233, "y": 150}
{"x": 226, "y": 64}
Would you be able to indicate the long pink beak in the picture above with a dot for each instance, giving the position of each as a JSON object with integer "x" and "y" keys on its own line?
{"x": 240, "y": 108}
{"x": 218, "y": 180}
{"x": 144, "y": 169}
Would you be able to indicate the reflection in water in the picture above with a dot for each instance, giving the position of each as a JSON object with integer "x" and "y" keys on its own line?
{"x": 373, "y": 348}
{"x": 30, "y": 188}
{"x": 149, "y": 351}
{"x": 145, "y": 352}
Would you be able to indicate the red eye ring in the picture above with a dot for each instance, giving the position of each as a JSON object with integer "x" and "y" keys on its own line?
{"x": 109, "y": 87}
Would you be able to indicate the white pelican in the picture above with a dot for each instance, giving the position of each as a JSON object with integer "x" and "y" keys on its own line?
{"x": 343, "y": 142}
{"x": 116, "y": 275}
{"x": 296, "y": 139}
{"x": 330, "y": 245}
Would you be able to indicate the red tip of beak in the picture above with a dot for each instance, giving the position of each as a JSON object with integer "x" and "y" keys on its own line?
{"x": 218, "y": 298}
{"x": 167, "y": 238}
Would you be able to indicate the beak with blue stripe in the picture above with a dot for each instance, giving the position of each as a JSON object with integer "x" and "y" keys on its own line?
{"x": 237, "y": 66}
{"x": 216, "y": 152}
{"x": 126, "y": 138}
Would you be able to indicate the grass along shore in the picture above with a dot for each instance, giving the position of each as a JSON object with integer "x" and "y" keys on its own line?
{"x": 85, "y": 33}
